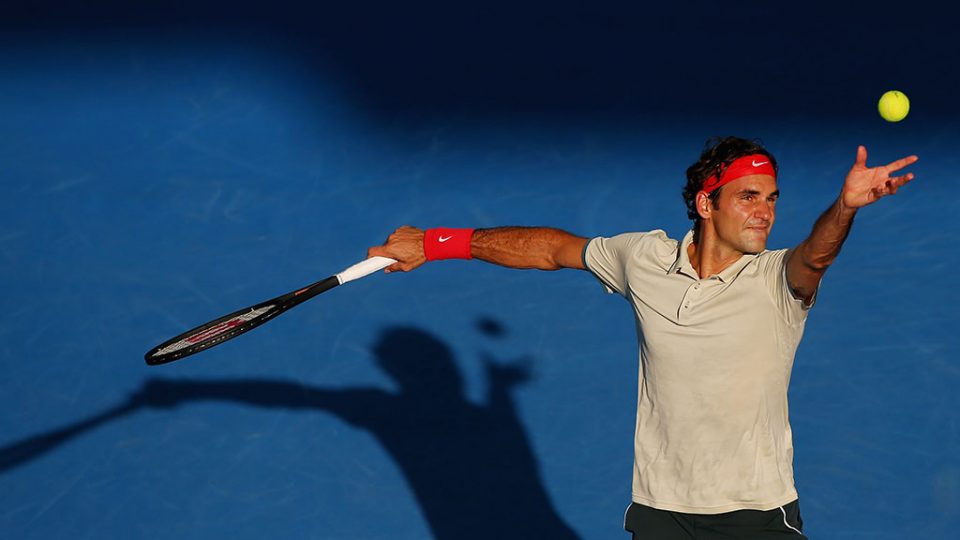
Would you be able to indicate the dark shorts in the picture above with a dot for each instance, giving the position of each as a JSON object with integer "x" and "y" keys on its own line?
{"x": 647, "y": 523}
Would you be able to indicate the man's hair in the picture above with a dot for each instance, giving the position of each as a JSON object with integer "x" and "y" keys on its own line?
{"x": 718, "y": 152}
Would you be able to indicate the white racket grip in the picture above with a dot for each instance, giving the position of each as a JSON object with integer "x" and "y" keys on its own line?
{"x": 364, "y": 268}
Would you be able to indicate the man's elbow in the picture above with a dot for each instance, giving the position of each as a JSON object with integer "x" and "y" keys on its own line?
{"x": 818, "y": 265}
{"x": 815, "y": 262}
{"x": 550, "y": 263}
{"x": 568, "y": 254}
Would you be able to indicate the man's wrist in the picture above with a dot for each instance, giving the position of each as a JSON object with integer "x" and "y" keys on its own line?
{"x": 446, "y": 243}
{"x": 843, "y": 210}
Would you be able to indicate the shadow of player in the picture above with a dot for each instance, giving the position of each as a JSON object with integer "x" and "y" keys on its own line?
{"x": 470, "y": 466}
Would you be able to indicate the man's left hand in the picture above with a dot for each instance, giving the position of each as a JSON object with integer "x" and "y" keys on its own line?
{"x": 866, "y": 185}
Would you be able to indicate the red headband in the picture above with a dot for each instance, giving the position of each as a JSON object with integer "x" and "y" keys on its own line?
{"x": 744, "y": 166}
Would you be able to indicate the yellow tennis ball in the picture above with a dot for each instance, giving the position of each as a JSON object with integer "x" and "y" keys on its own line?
{"x": 893, "y": 106}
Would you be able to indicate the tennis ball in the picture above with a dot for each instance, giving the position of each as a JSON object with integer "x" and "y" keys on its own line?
{"x": 893, "y": 106}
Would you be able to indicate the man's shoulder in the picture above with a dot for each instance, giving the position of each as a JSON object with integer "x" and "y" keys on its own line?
{"x": 632, "y": 245}
{"x": 770, "y": 262}
{"x": 657, "y": 243}
{"x": 654, "y": 237}
{"x": 772, "y": 255}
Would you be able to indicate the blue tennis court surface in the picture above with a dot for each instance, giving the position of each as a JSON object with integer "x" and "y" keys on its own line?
{"x": 161, "y": 168}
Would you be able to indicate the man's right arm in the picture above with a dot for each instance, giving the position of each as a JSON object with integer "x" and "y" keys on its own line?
{"x": 541, "y": 248}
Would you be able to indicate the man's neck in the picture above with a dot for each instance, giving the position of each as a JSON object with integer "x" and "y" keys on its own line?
{"x": 710, "y": 257}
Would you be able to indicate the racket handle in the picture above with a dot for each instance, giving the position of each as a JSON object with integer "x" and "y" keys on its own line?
{"x": 364, "y": 268}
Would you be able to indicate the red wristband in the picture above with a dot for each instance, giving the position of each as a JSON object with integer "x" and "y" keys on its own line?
{"x": 444, "y": 243}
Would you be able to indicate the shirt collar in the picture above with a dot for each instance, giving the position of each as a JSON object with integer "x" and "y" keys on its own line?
{"x": 682, "y": 263}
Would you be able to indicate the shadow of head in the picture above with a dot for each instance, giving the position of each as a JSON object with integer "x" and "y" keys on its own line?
{"x": 418, "y": 362}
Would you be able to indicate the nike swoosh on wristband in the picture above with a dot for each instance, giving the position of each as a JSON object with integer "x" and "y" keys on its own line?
{"x": 444, "y": 239}
{"x": 755, "y": 164}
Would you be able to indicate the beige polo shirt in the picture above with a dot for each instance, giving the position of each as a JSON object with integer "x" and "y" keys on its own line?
{"x": 712, "y": 433}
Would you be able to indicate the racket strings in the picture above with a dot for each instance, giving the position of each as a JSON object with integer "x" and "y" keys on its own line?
{"x": 207, "y": 334}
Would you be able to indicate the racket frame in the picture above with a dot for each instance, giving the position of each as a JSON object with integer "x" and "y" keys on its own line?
{"x": 278, "y": 305}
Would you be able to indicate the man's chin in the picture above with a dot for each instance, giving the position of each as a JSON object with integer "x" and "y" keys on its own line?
{"x": 754, "y": 248}
{"x": 756, "y": 243}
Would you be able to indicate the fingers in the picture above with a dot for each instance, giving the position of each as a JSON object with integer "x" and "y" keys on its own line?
{"x": 382, "y": 251}
{"x": 861, "y": 156}
{"x": 901, "y": 163}
{"x": 401, "y": 267}
{"x": 379, "y": 251}
{"x": 897, "y": 182}
{"x": 891, "y": 186}
{"x": 405, "y": 245}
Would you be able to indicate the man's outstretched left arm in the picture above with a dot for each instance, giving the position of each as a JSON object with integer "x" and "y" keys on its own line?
{"x": 863, "y": 185}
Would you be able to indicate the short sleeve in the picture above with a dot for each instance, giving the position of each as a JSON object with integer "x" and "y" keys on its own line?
{"x": 773, "y": 265}
{"x": 607, "y": 258}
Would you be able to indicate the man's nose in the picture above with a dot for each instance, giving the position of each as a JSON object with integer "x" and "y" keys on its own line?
{"x": 763, "y": 211}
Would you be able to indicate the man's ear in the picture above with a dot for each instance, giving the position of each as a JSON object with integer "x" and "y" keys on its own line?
{"x": 704, "y": 205}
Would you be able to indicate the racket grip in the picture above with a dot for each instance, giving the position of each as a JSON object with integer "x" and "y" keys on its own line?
{"x": 364, "y": 268}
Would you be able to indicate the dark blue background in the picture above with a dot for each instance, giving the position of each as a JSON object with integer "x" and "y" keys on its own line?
{"x": 163, "y": 163}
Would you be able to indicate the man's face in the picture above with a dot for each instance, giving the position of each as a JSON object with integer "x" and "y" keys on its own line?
{"x": 746, "y": 208}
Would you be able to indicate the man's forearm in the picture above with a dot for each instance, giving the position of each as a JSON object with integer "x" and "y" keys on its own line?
{"x": 823, "y": 245}
{"x": 543, "y": 248}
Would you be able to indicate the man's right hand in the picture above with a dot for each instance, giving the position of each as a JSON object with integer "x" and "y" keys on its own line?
{"x": 405, "y": 245}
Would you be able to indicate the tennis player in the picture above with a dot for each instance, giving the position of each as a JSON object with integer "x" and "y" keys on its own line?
{"x": 719, "y": 319}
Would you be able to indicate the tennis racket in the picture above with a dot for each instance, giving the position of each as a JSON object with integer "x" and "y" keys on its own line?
{"x": 239, "y": 322}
